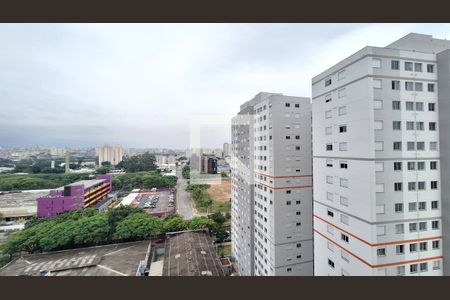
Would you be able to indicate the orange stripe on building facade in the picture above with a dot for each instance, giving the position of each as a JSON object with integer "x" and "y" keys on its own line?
{"x": 379, "y": 265}
{"x": 378, "y": 244}
{"x": 296, "y": 176}
{"x": 286, "y": 187}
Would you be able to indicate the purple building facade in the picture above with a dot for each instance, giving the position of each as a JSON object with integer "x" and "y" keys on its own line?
{"x": 75, "y": 196}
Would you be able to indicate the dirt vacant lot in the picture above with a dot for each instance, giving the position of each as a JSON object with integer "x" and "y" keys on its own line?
{"x": 221, "y": 192}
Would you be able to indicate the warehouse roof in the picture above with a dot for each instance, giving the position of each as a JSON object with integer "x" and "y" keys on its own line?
{"x": 191, "y": 253}
{"x": 109, "y": 260}
{"x": 18, "y": 204}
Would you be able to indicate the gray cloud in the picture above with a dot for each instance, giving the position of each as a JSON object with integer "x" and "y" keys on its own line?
{"x": 139, "y": 84}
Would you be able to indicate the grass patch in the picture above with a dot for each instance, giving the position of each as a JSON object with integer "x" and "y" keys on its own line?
{"x": 224, "y": 250}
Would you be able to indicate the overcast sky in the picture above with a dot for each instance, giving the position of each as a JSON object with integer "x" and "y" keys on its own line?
{"x": 140, "y": 85}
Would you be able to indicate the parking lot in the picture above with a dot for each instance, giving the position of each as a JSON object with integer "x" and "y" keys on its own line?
{"x": 157, "y": 202}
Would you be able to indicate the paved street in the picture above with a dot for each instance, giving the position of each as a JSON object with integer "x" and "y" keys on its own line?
{"x": 184, "y": 203}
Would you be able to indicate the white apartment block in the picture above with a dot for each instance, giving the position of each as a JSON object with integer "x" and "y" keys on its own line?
{"x": 380, "y": 167}
{"x": 112, "y": 154}
{"x": 272, "y": 186}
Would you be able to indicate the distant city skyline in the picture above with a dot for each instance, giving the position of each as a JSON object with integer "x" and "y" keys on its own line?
{"x": 85, "y": 85}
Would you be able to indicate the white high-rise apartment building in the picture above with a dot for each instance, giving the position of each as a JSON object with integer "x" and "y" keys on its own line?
{"x": 226, "y": 150}
{"x": 378, "y": 158}
{"x": 272, "y": 186}
{"x": 113, "y": 154}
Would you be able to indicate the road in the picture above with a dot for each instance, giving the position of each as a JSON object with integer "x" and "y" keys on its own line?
{"x": 185, "y": 206}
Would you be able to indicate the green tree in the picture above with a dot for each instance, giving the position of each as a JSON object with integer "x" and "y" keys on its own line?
{"x": 174, "y": 223}
{"x": 138, "y": 226}
{"x": 106, "y": 164}
{"x": 201, "y": 222}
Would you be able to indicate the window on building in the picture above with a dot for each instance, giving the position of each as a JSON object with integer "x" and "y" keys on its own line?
{"x": 342, "y": 128}
{"x": 409, "y": 105}
{"x": 418, "y": 86}
{"x": 423, "y": 246}
{"x": 379, "y": 187}
{"x": 395, "y": 65}
{"x": 422, "y": 226}
{"x": 400, "y": 270}
{"x": 410, "y": 146}
{"x": 419, "y": 106}
{"x": 431, "y": 87}
{"x": 327, "y": 81}
{"x": 397, "y": 145}
{"x": 380, "y": 209}
{"x": 409, "y": 86}
{"x": 434, "y": 204}
{"x": 432, "y": 126}
{"x": 396, "y": 125}
{"x": 378, "y": 125}
{"x": 381, "y": 252}
{"x": 412, "y": 247}
{"x": 397, "y": 166}
{"x": 436, "y": 265}
{"x": 421, "y": 165}
{"x": 409, "y": 125}
{"x": 341, "y": 93}
{"x": 398, "y": 207}
{"x": 398, "y": 186}
{"x": 378, "y": 104}
{"x": 400, "y": 249}
{"x": 328, "y": 114}
{"x": 430, "y": 68}
{"x": 344, "y": 182}
{"x": 342, "y": 110}
{"x": 411, "y": 165}
{"x": 343, "y": 146}
{"x": 434, "y": 185}
{"x": 344, "y": 219}
{"x": 413, "y": 268}
{"x": 379, "y": 166}
{"x": 408, "y": 66}
{"x": 431, "y": 106}
{"x": 435, "y": 245}
{"x": 412, "y": 206}
{"x": 343, "y": 165}
{"x": 412, "y": 227}
{"x": 411, "y": 186}
{"x": 417, "y": 67}
{"x": 396, "y": 105}
{"x": 395, "y": 84}
{"x": 433, "y": 146}
{"x": 399, "y": 228}
{"x": 344, "y": 237}
{"x": 421, "y": 185}
{"x": 377, "y": 83}
{"x": 435, "y": 224}
{"x": 420, "y": 145}
{"x": 343, "y": 200}
{"x": 329, "y": 163}
{"x": 331, "y": 263}
{"x": 330, "y": 179}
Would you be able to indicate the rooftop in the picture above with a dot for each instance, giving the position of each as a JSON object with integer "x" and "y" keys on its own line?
{"x": 109, "y": 260}
{"x": 17, "y": 204}
{"x": 191, "y": 253}
{"x": 87, "y": 183}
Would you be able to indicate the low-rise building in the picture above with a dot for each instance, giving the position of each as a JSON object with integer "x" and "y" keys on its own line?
{"x": 75, "y": 196}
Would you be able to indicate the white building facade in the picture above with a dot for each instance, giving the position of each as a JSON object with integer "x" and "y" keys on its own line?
{"x": 112, "y": 154}
{"x": 377, "y": 161}
{"x": 272, "y": 186}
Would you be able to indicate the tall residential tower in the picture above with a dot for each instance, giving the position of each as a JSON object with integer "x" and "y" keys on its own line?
{"x": 378, "y": 168}
{"x": 272, "y": 186}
